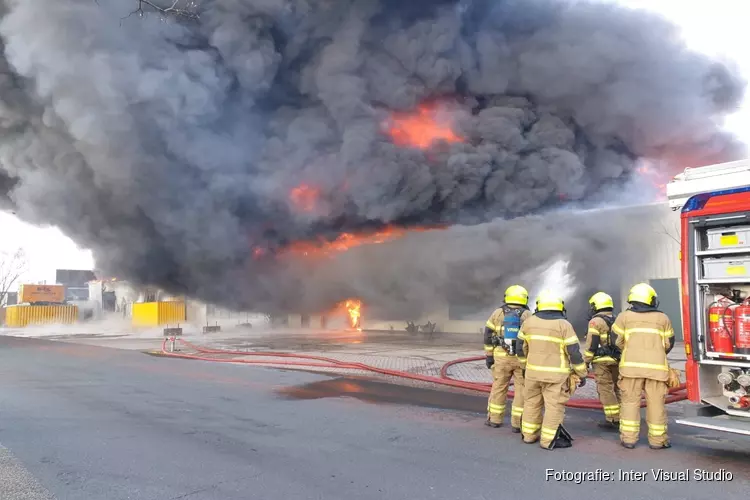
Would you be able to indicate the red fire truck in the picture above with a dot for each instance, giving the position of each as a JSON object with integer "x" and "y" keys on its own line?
{"x": 715, "y": 259}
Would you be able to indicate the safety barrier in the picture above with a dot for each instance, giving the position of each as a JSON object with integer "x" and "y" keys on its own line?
{"x": 676, "y": 394}
{"x": 19, "y": 316}
{"x": 158, "y": 313}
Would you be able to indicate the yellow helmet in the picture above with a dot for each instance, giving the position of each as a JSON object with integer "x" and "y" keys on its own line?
{"x": 643, "y": 293}
{"x": 549, "y": 301}
{"x": 516, "y": 294}
{"x": 601, "y": 300}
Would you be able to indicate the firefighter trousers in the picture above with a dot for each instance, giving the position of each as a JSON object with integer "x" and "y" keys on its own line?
{"x": 503, "y": 370}
{"x": 630, "y": 410}
{"x": 606, "y": 387}
{"x": 551, "y": 397}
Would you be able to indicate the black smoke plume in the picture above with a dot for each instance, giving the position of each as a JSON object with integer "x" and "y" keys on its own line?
{"x": 170, "y": 143}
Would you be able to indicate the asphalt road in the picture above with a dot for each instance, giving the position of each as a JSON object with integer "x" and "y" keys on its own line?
{"x": 92, "y": 423}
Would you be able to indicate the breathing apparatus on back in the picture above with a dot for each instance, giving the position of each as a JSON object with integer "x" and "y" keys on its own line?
{"x": 516, "y": 303}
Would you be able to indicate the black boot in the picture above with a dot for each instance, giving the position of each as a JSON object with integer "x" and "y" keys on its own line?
{"x": 492, "y": 424}
{"x": 662, "y": 447}
{"x": 516, "y": 430}
{"x": 562, "y": 439}
{"x": 610, "y": 426}
{"x": 629, "y": 446}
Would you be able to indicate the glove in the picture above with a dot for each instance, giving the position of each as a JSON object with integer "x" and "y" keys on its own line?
{"x": 489, "y": 361}
{"x": 582, "y": 382}
{"x": 674, "y": 379}
{"x": 573, "y": 383}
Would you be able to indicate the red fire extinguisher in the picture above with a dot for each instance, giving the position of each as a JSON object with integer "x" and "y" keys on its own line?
{"x": 742, "y": 327}
{"x": 721, "y": 324}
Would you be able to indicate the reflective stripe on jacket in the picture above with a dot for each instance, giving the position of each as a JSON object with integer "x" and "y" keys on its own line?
{"x": 551, "y": 350}
{"x": 644, "y": 339}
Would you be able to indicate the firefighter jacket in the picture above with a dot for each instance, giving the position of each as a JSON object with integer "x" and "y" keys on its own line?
{"x": 550, "y": 348}
{"x": 645, "y": 337}
{"x": 494, "y": 329}
{"x": 598, "y": 346}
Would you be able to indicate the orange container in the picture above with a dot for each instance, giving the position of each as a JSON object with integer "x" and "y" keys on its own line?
{"x": 31, "y": 294}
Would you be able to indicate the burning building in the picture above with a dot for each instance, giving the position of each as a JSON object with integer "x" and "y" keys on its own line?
{"x": 650, "y": 254}
{"x": 230, "y": 151}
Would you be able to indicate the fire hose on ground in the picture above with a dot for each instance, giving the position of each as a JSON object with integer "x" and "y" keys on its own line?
{"x": 311, "y": 361}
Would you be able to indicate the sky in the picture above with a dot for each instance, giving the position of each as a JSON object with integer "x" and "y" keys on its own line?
{"x": 717, "y": 28}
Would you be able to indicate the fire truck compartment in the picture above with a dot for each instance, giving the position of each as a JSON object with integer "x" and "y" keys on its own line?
{"x": 714, "y": 394}
{"x": 723, "y": 423}
{"x": 715, "y": 255}
{"x": 726, "y": 267}
{"x": 722, "y": 238}
{"x": 705, "y": 298}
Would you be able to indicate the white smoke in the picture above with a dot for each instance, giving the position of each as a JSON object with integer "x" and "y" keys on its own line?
{"x": 555, "y": 279}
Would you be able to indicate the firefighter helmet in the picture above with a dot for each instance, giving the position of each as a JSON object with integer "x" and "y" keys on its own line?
{"x": 643, "y": 293}
{"x": 599, "y": 301}
{"x": 549, "y": 301}
{"x": 516, "y": 295}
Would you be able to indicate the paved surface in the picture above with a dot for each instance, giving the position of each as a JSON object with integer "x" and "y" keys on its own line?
{"x": 16, "y": 483}
{"x": 420, "y": 356}
{"x": 417, "y": 353}
{"x": 397, "y": 344}
{"x": 95, "y": 423}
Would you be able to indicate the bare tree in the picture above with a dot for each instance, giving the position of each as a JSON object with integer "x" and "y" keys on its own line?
{"x": 12, "y": 266}
{"x": 187, "y": 9}
{"x": 671, "y": 230}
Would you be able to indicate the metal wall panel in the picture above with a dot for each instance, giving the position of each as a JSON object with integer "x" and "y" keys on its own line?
{"x": 158, "y": 313}
{"x": 661, "y": 256}
{"x": 20, "y": 316}
{"x": 669, "y": 302}
{"x": 74, "y": 277}
{"x": 145, "y": 314}
{"x": 171, "y": 312}
{"x": 661, "y": 264}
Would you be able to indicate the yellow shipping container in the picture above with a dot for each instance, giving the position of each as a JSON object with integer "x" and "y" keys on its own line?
{"x": 20, "y": 316}
{"x": 158, "y": 313}
{"x": 41, "y": 293}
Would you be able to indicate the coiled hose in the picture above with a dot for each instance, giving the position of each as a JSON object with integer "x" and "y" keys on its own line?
{"x": 311, "y": 361}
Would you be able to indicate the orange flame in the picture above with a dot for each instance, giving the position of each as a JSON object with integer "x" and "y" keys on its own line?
{"x": 354, "y": 310}
{"x": 305, "y": 197}
{"x": 658, "y": 179}
{"x": 420, "y": 129}
{"x": 345, "y": 241}
{"x": 322, "y": 247}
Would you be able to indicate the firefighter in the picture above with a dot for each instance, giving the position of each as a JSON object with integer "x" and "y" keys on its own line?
{"x": 500, "y": 334}
{"x": 550, "y": 354}
{"x": 602, "y": 354}
{"x": 645, "y": 337}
